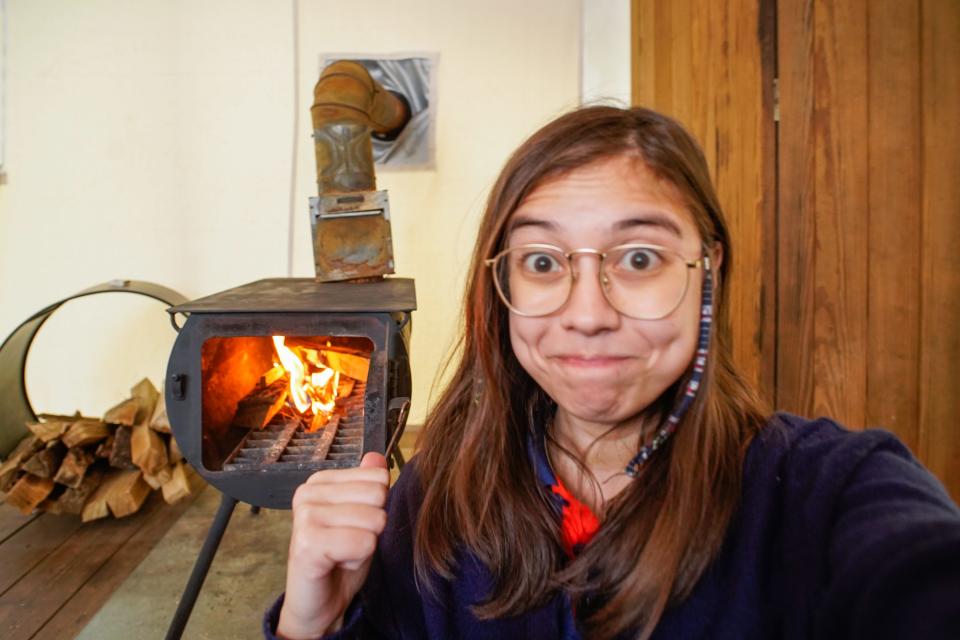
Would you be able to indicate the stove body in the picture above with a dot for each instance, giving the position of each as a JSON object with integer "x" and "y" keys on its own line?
{"x": 225, "y": 348}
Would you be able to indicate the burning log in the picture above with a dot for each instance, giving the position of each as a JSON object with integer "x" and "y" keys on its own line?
{"x": 74, "y": 467}
{"x": 272, "y": 376}
{"x": 147, "y": 449}
{"x": 348, "y": 364}
{"x": 258, "y": 408}
{"x": 84, "y": 432}
{"x": 344, "y": 389}
{"x": 28, "y": 492}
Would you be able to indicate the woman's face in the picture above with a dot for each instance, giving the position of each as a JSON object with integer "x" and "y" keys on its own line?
{"x": 597, "y": 364}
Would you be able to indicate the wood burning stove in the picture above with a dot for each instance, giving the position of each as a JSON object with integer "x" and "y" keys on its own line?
{"x": 229, "y": 397}
{"x": 269, "y": 382}
{"x": 231, "y": 402}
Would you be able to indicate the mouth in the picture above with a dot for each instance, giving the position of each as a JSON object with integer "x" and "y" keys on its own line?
{"x": 588, "y": 361}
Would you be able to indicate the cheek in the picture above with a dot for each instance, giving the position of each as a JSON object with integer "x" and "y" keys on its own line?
{"x": 525, "y": 334}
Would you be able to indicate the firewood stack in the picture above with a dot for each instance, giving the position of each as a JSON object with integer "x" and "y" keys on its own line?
{"x": 95, "y": 468}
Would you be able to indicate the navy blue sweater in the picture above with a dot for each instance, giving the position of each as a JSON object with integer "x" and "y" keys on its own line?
{"x": 838, "y": 535}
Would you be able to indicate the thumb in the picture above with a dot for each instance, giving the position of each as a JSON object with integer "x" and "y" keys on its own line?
{"x": 373, "y": 460}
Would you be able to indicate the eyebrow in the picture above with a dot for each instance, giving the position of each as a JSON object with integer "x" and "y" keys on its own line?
{"x": 646, "y": 219}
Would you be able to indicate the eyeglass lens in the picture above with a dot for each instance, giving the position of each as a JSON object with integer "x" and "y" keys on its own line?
{"x": 640, "y": 281}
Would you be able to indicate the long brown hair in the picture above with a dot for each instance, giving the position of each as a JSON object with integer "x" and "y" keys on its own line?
{"x": 480, "y": 492}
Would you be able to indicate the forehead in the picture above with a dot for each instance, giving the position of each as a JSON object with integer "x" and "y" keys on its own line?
{"x": 612, "y": 200}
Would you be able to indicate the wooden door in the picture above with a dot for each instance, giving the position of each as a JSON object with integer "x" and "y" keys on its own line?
{"x": 857, "y": 241}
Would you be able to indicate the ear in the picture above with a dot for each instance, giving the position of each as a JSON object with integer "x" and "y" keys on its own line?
{"x": 715, "y": 251}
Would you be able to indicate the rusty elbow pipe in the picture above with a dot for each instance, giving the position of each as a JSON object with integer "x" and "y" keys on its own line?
{"x": 349, "y": 105}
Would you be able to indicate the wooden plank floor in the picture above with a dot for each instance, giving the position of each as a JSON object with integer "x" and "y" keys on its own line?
{"x": 55, "y": 573}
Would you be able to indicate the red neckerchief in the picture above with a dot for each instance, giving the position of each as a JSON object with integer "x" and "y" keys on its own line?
{"x": 578, "y": 524}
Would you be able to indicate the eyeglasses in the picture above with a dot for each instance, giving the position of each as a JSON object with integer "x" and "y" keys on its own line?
{"x": 641, "y": 281}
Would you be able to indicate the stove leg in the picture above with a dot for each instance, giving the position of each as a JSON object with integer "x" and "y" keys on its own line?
{"x": 201, "y": 567}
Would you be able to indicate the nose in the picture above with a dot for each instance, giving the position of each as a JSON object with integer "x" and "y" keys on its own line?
{"x": 587, "y": 309}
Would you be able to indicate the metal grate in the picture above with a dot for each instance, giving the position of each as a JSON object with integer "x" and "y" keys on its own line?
{"x": 286, "y": 444}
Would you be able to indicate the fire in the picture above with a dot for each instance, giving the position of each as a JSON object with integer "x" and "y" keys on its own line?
{"x": 313, "y": 386}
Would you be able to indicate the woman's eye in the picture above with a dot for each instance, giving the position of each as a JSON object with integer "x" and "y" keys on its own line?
{"x": 540, "y": 263}
{"x": 640, "y": 260}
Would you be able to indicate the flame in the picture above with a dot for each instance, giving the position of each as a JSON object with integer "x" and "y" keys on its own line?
{"x": 312, "y": 391}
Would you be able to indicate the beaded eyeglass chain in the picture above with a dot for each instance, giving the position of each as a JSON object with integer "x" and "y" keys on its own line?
{"x": 699, "y": 364}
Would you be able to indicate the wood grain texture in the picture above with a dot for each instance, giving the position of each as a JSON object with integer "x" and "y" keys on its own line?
{"x": 894, "y": 218}
{"x": 939, "y": 437}
{"x": 34, "y": 599}
{"x": 31, "y": 544}
{"x": 702, "y": 62}
{"x": 796, "y": 228}
{"x": 840, "y": 206}
{"x": 11, "y": 521}
{"x": 75, "y": 613}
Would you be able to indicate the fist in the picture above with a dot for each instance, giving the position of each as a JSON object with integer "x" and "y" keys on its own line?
{"x": 337, "y": 516}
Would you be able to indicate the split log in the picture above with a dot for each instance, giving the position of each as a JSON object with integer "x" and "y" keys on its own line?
{"x": 56, "y": 417}
{"x": 126, "y": 493}
{"x": 96, "y": 505}
{"x": 73, "y": 500}
{"x": 84, "y": 432}
{"x": 272, "y": 376}
{"x": 185, "y": 482}
{"x": 120, "y": 455}
{"x": 258, "y": 408}
{"x": 44, "y": 463}
{"x": 105, "y": 448}
{"x": 28, "y": 492}
{"x": 49, "y": 431}
{"x": 344, "y": 389}
{"x": 147, "y": 449}
{"x": 124, "y": 413}
{"x": 74, "y": 467}
{"x": 24, "y": 449}
{"x": 146, "y": 396}
{"x": 348, "y": 364}
{"x": 161, "y": 477}
{"x": 175, "y": 454}
{"x": 159, "y": 420}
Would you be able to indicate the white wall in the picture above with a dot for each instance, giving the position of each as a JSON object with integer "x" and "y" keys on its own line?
{"x": 154, "y": 140}
{"x": 606, "y": 52}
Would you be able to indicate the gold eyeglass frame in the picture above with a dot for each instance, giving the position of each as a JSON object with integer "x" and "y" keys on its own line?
{"x": 604, "y": 281}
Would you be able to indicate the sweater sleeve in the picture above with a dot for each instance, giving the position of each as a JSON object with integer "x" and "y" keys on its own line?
{"x": 893, "y": 553}
{"x": 388, "y": 601}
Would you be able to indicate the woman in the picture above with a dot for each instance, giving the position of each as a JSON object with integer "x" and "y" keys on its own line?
{"x": 597, "y": 467}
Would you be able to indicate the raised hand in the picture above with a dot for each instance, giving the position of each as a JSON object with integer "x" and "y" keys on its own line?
{"x": 337, "y": 516}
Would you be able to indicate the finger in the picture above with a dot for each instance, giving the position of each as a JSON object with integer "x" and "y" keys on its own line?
{"x": 371, "y": 493}
{"x": 340, "y": 545}
{"x": 357, "y": 516}
{"x": 334, "y": 476}
{"x": 373, "y": 460}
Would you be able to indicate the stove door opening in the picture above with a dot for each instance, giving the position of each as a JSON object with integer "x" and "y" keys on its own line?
{"x": 283, "y": 402}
